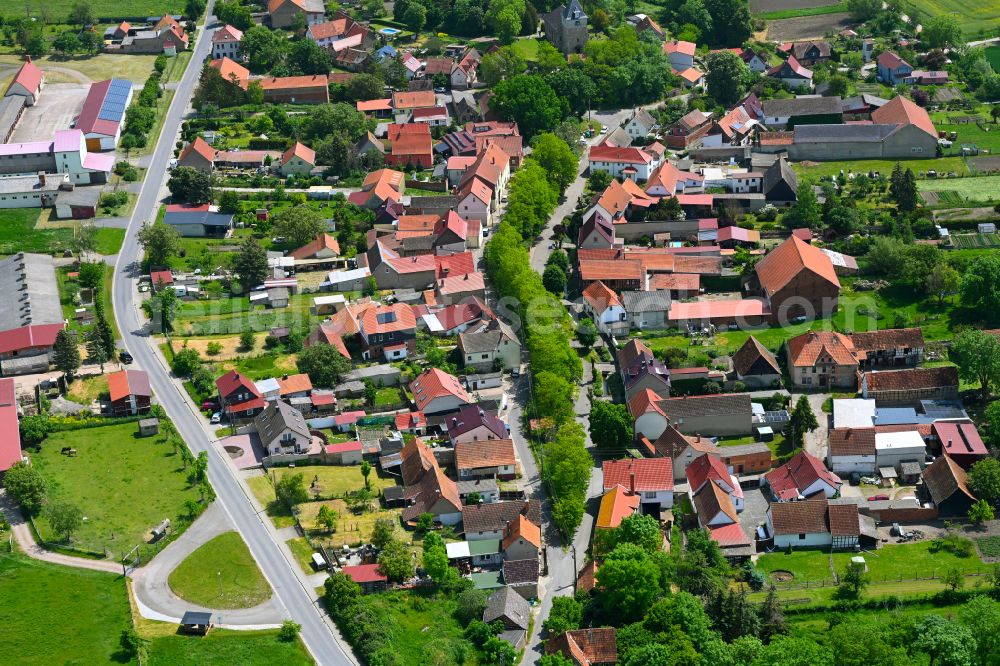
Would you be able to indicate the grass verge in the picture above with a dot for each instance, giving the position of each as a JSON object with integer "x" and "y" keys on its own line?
{"x": 220, "y": 574}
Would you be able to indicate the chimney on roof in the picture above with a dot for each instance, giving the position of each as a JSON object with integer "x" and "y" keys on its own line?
{"x": 631, "y": 479}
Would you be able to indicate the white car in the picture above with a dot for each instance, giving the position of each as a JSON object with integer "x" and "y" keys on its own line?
{"x": 604, "y": 129}
{"x": 217, "y": 417}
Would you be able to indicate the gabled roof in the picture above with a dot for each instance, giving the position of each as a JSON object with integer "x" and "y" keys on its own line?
{"x": 752, "y": 351}
{"x": 297, "y": 383}
{"x": 890, "y": 60}
{"x": 785, "y": 262}
{"x": 522, "y": 528}
{"x": 788, "y": 481}
{"x": 277, "y": 417}
{"x": 704, "y": 468}
{"x": 435, "y": 383}
{"x": 887, "y": 339}
{"x": 413, "y": 100}
{"x": 852, "y": 442}
{"x": 807, "y": 517}
{"x": 495, "y": 517}
{"x": 388, "y": 319}
{"x": 469, "y": 418}
{"x": 624, "y": 155}
{"x": 686, "y": 48}
{"x": 912, "y": 379}
{"x": 805, "y": 350}
{"x": 10, "y": 435}
{"x": 415, "y": 460}
{"x": 617, "y": 504}
{"x": 484, "y": 453}
{"x": 124, "y": 383}
{"x": 586, "y": 647}
{"x": 639, "y": 474}
{"x": 226, "y": 33}
{"x": 633, "y": 349}
{"x": 433, "y": 487}
{"x": 300, "y": 150}
{"x": 232, "y": 71}
{"x": 104, "y": 109}
{"x": 901, "y": 111}
{"x": 943, "y": 478}
{"x": 642, "y": 402}
{"x": 201, "y": 148}
{"x": 323, "y": 241}
{"x": 712, "y": 500}
{"x": 29, "y": 76}
{"x": 780, "y": 172}
{"x": 705, "y": 405}
{"x": 600, "y": 297}
{"x": 233, "y": 381}
{"x": 507, "y": 604}
{"x": 297, "y": 82}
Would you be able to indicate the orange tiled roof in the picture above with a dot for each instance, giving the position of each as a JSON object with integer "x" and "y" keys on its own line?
{"x": 782, "y": 264}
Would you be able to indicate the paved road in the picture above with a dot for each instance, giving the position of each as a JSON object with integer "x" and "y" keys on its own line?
{"x": 154, "y": 593}
{"x": 273, "y": 557}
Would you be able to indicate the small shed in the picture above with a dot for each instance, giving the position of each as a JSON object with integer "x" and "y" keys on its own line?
{"x": 987, "y": 228}
{"x": 196, "y": 622}
{"x": 149, "y": 427}
{"x": 277, "y": 297}
{"x": 394, "y": 496}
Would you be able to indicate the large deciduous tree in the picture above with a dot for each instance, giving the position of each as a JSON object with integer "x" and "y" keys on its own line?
{"x": 250, "y": 265}
{"x": 977, "y": 354}
{"x": 555, "y": 156}
{"x": 530, "y": 101}
{"x": 190, "y": 185}
{"x": 324, "y": 364}
{"x": 25, "y": 484}
{"x": 727, "y": 77}
{"x": 299, "y": 224}
{"x": 611, "y": 425}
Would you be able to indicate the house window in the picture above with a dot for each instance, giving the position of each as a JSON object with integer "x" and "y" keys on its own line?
{"x": 802, "y": 537}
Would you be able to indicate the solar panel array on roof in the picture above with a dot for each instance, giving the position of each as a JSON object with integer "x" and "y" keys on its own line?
{"x": 115, "y": 101}
{"x": 386, "y": 317}
{"x": 779, "y": 416}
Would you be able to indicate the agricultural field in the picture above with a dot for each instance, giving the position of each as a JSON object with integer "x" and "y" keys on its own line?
{"x": 975, "y": 17}
{"x": 96, "y": 67}
{"x": 807, "y": 26}
{"x": 786, "y": 10}
{"x": 966, "y": 190}
{"x": 53, "y": 614}
{"x": 221, "y": 574}
{"x": 124, "y": 485}
{"x": 106, "y": 10}
{"x": 985, "y": 137}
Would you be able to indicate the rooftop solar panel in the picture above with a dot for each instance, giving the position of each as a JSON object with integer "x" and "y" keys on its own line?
{"x": 115, "y": 101}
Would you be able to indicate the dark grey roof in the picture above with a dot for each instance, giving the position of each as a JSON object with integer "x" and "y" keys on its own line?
{"x": 196, "y": 618}
{"x": 29, "y": 293}
{"x": 276, "y": 417}
{"x": 517, "y": 572}
{"x": 706, "y": 405}
{"x": 646, "y": 301}
{"x": 780, "y": 171}
{"x": 373, "y": 372}
{"x": 507, "y": 604}
{"x": 493, "y": 517}
{"x": 477, "y": 486}
{"x": 204, "y": 217}
{"x": 744, "y": 449}
{"x": 842, "y": 133}
{"x": 802, "y": 106}
{"x": 278, "y": 294}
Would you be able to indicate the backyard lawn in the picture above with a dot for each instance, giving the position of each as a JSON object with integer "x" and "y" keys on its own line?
{"x": 241, "y": 585}
{"x": 53, "y": 614}
{"x": 417, "y": 622}
{"x": 334, "y": 480}
{"x": 262, "y": 489}
{"x": 18, "y": 234}
{"x": 124, "y": 485}
{"x": 941, "y": 165}
{"x": 222, "y": 647}
{"x": 526, "y": 48}
{"x": 352, "y": 528}
{"x": 109, "y": 240}
{"x": 303, "y": 553}
{"x": 889, "y": 563}
{"x": 85, "y": 390}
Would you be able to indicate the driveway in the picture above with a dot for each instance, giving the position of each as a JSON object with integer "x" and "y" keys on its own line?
{"x": 817, "y": 441}
{"x": 754, "y": 511}
{"x": 56, "y": 109}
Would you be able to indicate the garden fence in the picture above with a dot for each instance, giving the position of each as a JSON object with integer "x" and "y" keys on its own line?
{"x": 834, "y": 581}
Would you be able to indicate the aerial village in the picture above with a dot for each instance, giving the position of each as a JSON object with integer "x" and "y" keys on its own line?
{"x": 500, "y": 333}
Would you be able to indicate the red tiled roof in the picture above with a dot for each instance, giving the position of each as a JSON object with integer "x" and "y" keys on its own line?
{"x": 912, "y": 379}
{"x": 798, "y": 474}
{"x": 294, "y": 82}
{"x": 374, "y": 105}
{"x": 686, "y": 48}
{"x": 232, "y": 381}
{"x": 891, "y": 60}
{"x": 297, "y": 383}
{"x": 805, "y": 350}
{"x": 388, "y": 319}
{"x": 414, "y": 100}
{"x": 413, "y": 144}
{"x": 522, "y": 528}
{"x": 201, "y": 147}
{"x": 164, "y": 277}
{"x": 124, "y": 383}
{"x": 410, "y": 420}
{"x": 807, "y": 517}
{"x": 674, "y": 281}
{"x": 600, "y": 297}
{"x": 450, "y": 265}
{"x": 728, "y": 536}
{"x": 886, "y": 339}
{"x": 642, "y": 402}
{"x": 586, "y": 647}
{"x": 484, "y": 453}
{"x": 782, "y": 264}
{"x": 901, "y": 111}
{"x": 712, "y": 500}
{"x": 626, "y": 155}
{"x": 303, "y": 152}
{"x": 706, "y": 468}
{"x": 230, "y": 70}
{"x": 597, "y": 269}
{"x": 650, "y": 474}
{"x": 323, "y": 241}
{"x": 435, "y": 383}
{"x": 616, "y": 505}
{"x": 852, "y": 442}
